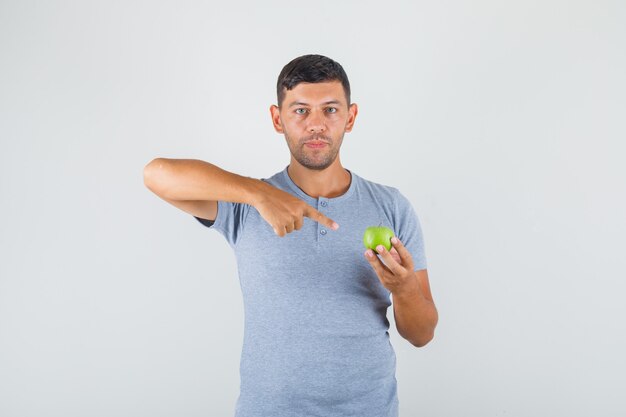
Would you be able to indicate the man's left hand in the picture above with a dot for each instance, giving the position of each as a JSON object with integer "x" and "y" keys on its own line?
{"x": 396, "y": 273}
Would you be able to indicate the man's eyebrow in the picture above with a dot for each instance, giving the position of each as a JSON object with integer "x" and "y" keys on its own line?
{"x": 301, "y": 103}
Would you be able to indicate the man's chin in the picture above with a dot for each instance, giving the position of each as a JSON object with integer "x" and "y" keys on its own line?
{"x": 315, "y": 166}
{"x": 315, "y": 162}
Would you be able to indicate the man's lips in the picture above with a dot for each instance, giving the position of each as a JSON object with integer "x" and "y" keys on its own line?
{"x": 316, "y": 143}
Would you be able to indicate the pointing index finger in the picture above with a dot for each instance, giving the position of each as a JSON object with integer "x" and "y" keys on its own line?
{"x": 320, "y": 218}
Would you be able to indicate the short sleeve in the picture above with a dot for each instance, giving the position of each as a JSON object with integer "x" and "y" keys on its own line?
{"x": 229, "y": 221}
{"x": 409, "y": 231}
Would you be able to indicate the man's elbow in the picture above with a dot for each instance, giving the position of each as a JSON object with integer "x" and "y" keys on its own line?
{"x": 423, "y": 337}
{"x": 151, "y": 173}
{"x": 423, "y": 341}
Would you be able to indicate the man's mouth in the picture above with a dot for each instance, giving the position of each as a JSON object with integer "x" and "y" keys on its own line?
{"x": 316, "y": 144}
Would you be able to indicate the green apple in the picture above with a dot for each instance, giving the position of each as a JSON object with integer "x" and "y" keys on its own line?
{"x": 377, "y": 235}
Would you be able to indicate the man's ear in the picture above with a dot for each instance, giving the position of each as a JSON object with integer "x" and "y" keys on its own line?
{"x": 353, "y": 110}
{"x": 275, "y": 113}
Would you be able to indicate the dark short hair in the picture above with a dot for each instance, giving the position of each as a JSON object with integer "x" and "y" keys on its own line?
{"x": 310, "y": 69}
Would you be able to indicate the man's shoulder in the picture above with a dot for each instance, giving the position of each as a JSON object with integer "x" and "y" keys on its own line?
{"x": 388, "y": 197}
{"x": 277, "y": 179}
{"x": 377, "y": 189}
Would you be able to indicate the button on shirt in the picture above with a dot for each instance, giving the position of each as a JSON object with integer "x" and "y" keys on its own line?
{"x": 316, "y": 338}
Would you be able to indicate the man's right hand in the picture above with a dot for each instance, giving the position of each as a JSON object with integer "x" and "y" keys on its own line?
{"x": 196, "y": 186}
{"x": 286, "y": 213}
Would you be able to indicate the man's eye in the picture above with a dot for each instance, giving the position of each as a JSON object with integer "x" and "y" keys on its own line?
{"x": 300, "y": 112}
{"x": 334, "y": 110}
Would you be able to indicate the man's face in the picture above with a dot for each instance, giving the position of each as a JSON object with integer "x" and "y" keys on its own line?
{"x": 314, "y": 117}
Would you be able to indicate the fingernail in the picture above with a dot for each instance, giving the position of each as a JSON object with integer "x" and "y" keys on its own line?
{"x": 394, "y": 240}
{"x": 380, "y": 248}
{"x": 368, "y": 253}
{"x": 335, "y": 226}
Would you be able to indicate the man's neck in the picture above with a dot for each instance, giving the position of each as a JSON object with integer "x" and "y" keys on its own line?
{"x": 329, "y": 183}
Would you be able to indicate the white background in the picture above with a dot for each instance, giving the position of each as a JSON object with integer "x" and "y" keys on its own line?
{"x": 502, "y": 122}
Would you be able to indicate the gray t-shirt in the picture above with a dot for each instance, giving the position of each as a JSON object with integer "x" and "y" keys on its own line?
{"x": 316, "y": 339}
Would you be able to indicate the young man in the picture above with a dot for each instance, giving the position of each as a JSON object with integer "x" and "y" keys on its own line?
{"x": 316, "y": 339}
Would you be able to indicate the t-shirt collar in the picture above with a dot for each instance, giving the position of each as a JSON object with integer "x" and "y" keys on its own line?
{"x": 308, "y": 198}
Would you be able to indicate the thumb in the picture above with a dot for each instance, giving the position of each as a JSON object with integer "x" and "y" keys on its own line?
{"x": 313, "y": 214}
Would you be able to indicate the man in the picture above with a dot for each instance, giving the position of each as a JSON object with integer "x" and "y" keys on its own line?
{"x": 316, "y": 339}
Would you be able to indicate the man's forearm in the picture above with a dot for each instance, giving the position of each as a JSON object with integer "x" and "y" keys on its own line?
{"x": 415, "y": 316}
{"x": 192, "y": 179}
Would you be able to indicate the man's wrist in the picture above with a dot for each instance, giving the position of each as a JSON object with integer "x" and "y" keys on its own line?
{"x": 409, "y": 291}
{"x": 254, "y": 190}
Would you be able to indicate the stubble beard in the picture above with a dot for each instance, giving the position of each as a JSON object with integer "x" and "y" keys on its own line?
{"x": 313, "y": 158}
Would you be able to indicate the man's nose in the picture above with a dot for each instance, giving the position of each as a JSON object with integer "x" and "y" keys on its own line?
{"x": 316, "y": 122}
